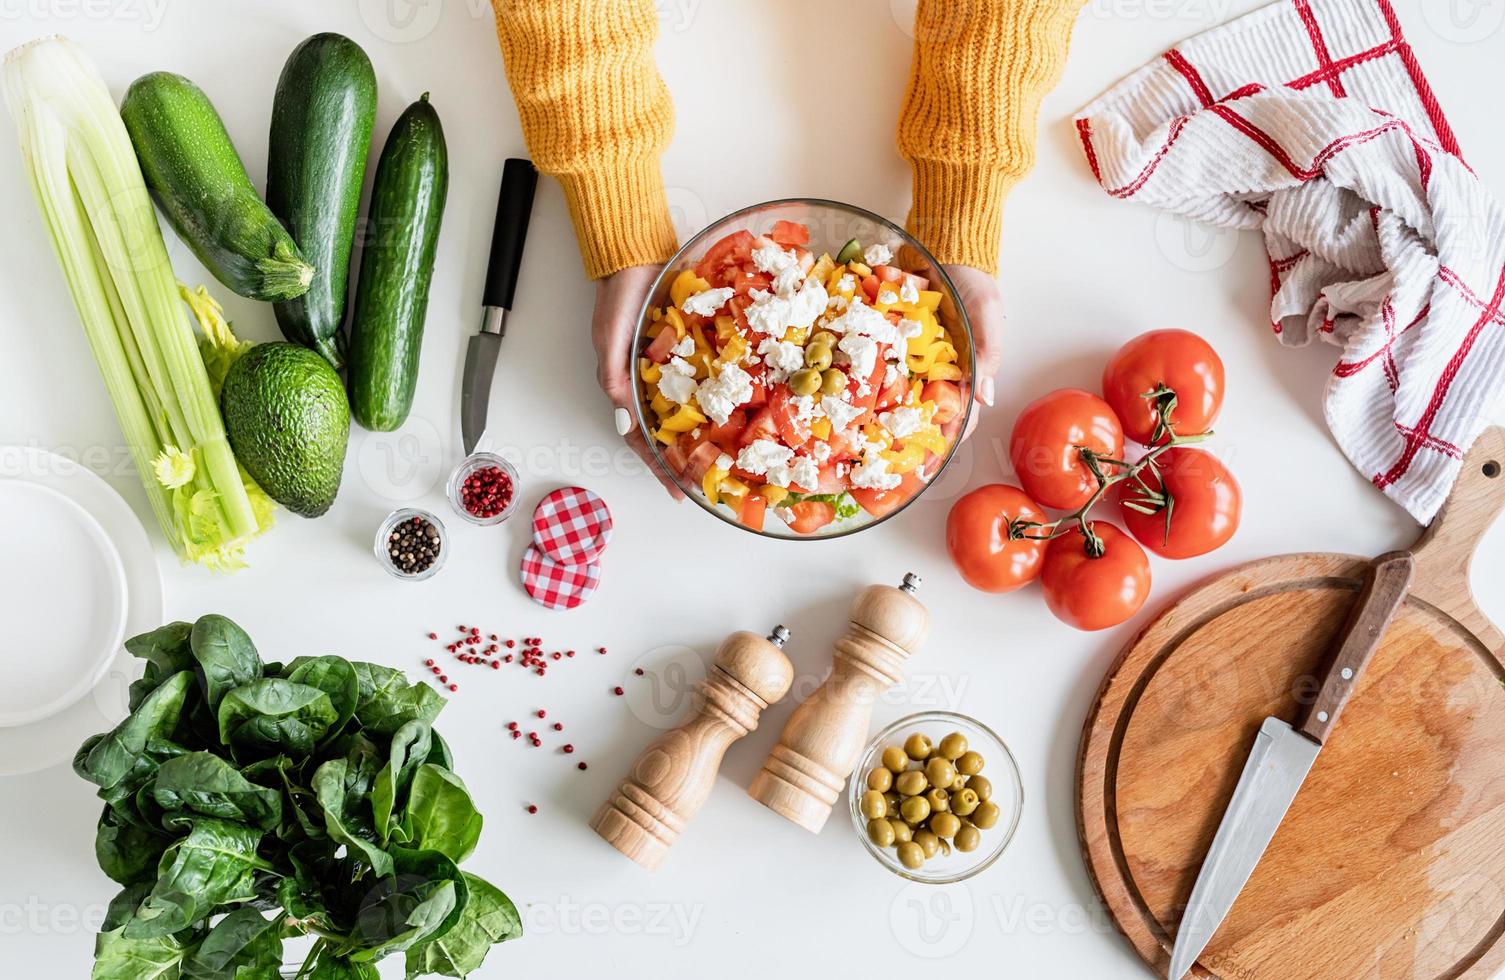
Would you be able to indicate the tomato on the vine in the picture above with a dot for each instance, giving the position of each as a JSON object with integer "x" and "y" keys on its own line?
{"x": 1095, "y": 593}
{"x": 1165, "y": 362}
{"x": 978, "y": 535}
{"x": 1046, "y": 446}
{"x": 1204, "y": 504}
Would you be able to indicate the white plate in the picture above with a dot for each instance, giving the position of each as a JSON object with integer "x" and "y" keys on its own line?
{"x": 53, "y": 740}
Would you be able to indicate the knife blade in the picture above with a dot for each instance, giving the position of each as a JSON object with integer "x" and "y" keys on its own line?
{"x": 513, "y": 210}
{"x": 1278, "y": 764}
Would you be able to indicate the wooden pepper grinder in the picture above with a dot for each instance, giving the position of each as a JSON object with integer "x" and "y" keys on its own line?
{"x": 805, "y": 773}
{"x": 672, "y": 778}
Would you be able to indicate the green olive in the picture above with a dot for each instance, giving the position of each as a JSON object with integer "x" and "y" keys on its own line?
{"x": 880, "y": 832}
{"x": 911, "y": 855}
{"x": 982, "y": 786}
{"x": 893, "y": 800}
{"x": 894, "y": 759}
{"x": 818, "y": 357}
{"x": 964, "y": 802}
{"x": 970, "y": 763}
{"x": 986, "y": 815}
{"x": 873, "y": 805}
{"x": 833, "y": 381}
{"x": 880, "y": 779}
{"x": 939, "y": 800}
{"x": 945, "y": 824}
{"x": 939, "y": 772}
{"x": 917, "y": 747}
{"x": 823, "y": 338}
{"x": 945, "y": 848}
{"x": 967, "y": 839}
{"x": 806, "y": 382}
{"x": 911, "y": 783}
{"x": 959, "y": 783}
{"x": 953, "y": 746}
{"x": 928, "y": 841}
{"x": 902, "y": 831}
{"x": 914, "y": 810}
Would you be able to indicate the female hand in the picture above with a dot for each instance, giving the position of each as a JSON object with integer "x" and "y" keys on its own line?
{"x": 981, "y": 296}
{"x": 619, "y": 301}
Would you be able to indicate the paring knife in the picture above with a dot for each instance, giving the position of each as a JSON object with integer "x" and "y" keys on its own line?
{"x": 1280, "y": 760}
{"x": 519, "y": 180}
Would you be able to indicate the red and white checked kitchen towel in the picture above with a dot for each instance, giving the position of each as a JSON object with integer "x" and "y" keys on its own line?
{"x": 1311, "y": 121}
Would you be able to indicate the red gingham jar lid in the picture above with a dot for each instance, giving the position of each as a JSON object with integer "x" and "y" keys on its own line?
{"x": 558, "y": 586}
{"x": 572, "y": 526}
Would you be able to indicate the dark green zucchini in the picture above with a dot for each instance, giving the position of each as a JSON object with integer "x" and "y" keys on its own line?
{"x": 316, "y": 166}
{"x": 397, "y": 266}
{"x": 200, "y": 183}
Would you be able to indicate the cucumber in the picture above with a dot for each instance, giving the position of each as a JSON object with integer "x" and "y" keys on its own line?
{"x": 397, "y": 265}
{"x": 321, "y": 133}
{"x": 850, "y": 252}
{"x": 199, "y": 182}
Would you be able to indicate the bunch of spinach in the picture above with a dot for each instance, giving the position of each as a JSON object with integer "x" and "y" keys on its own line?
{"x": 250, "y": 803}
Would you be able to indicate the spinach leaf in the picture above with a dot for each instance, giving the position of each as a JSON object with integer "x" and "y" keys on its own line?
{"x": 300, "y": 814}
{"x": 331, "y": 967}
{"x": 226, "y": 658}
{"x": 120, "y": 957}
{"x": 423, "y": 900}
{"x": 489, "y": 917}
{"x": 204, "y": 783}
{"x": 244, "y": 945}
{"x": 276, "y": 715}
{"x": 167, "y": 649}
{"x": 335, "y": 677}
{"x": 440, "y": 755}
{"x": 444, "y": 818}
{"x": 127, "y": 852}
{"x": 343, "y": 787}
{"x": 388, "y": 701}
{"x": 214, "y": 865}
{"x": 121, "y": 756}
{"x": 410, "y": 747}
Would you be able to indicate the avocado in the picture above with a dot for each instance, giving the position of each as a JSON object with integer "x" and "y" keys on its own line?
{"x": 289, "y": 422}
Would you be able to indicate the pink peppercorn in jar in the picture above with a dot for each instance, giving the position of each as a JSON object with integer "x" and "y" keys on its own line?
{"x": 484, "y": 489}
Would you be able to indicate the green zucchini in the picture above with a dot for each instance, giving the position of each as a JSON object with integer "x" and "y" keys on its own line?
{"x": 850, "y": 252}
{"x": 199, "y": 182}
{"x": 321, "y": 133}
{"x": 397, "y": 265}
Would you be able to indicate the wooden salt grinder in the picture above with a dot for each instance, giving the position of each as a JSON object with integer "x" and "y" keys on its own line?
{"x": 672, "y": 778}
{"x": 805, "y": 773}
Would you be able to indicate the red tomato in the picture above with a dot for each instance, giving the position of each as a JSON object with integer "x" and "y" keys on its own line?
{"x": 844, "y": 446}
{"x": 809, "y": 516}
{"x": 1176, "y": 359}
{"x": 701, "y": 460}
{"x": 760, "y": 426}
{"x": 746, "y": 283}
{"x": 1095, "y": 593}
{"x": 727, "y": 436}
{"x": 794, "y": 432}
{"x": 676, "y": 459}
{"x": 947, "y": 398}
{"x": 753, "y": 512}
{"x": 759, "y": 375}
{"x": 873, "y": 384}
{"x": 881, "y": 503}
{"x": 658, "y": 351}
{"x": 1045, "y": 447}
{"x": 978, "y": 536}
{"x": 894, "y": 394}
{"x": 789, "y": 233}
{"x": 1206, "y": 504}
{"x": 733, "y": 250}
{"x": 870, "y": 288}
{"x": 829, "y": 482}
{"x": 888, "y": 273}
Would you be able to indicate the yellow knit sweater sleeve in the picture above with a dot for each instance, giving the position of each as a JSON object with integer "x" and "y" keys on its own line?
{"x": 596, "y": 115}
{"x": 968, "y": 125}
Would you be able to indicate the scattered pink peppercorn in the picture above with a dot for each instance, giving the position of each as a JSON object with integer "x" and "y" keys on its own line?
{"x": 558, "y": 727}
{"x": 581, "y": 767}
{"x": 454, "y": 687}
{"x": 433, "y": 636}
{"x": 532, "y": 808}
{"x": 639, "y": 672}
{"x": 617, "y": 691}
{"x": 541, "y": 712}
{"x": 569, "y": 749}
{"x": 511, "y": 726}
{"x": 517, "y": 734}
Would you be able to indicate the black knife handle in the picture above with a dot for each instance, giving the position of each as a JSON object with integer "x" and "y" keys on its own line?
{"x": 513, "y": 209}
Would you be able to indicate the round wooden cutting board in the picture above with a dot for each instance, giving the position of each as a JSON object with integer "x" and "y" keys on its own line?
{"x": 1391, "y": 862}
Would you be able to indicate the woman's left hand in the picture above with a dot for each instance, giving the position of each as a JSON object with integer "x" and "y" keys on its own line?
{"x": 983, "y": 300}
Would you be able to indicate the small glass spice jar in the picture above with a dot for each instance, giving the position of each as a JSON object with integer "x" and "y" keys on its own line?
{"x": 484, "y": 489}
{"x": 411, "y": 544}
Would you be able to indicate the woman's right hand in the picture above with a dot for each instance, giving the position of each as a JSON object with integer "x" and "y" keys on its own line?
{"x": 619, "y": 302}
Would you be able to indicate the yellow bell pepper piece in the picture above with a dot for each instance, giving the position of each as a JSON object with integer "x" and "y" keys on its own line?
{"x": 735, "y": 348}
{"x": 774, "y": 495}
{"x": 931, "y": 300}
{"x": 687, "y": 284}
{"x": 687, "y": 418}
{"x": 734, "y": 489}
{"x": 711, "y": 484}
{"x": 726, "y": 327}
{"x": 821, "y": 428}
{"x": 673, "y": 319}
{"x": 907, "y": 459}
{"x": 945, "y": 372}
{"x": 860, "y": 270}
{"x": 650, "y": 372}
{"x": 822, "y": 268}
{"x": 661, "y": 405}
{"x": 666, "y": 437}
{"x": 796, "y": 335}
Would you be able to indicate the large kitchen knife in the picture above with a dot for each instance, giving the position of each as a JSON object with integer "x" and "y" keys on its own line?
{"x": 519, "y": 180}
{"x": 1278, "y": 764}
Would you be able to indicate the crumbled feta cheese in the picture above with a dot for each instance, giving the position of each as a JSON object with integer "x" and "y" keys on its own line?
{"x": 909, "y": 329}
{"x": 804, "y": 407}
{"x": 895, "y": 370}
{"x": 684, "y": 348}
{"x": 860, "y": 318}
{"x": 873, "y": 474}
{"x": 708, "y": 302}
{"x": 677, "y": 381}
{"x": 887, "y": 297}
{"x": 783, "y": 359}
{"x": 878, "y": 254}
{"x": 769, "y": 313}
{"x": 909, "y": 292}
{"x": 773, "y": 259}
{"x": 768, "y": 459}
{"x": 720, "y": 396}
{"x": 847, "y": 284}
{"x": 842, "y": 414}
{"x": 807, "y": 305}
{"x": 786, "y": 283}
{"x": 805, "y": 474}
{"x": 902, "y": 422}
{"x": 837, "y": 302}
{"x": 725, "y": 463}
{"x": 863, "y": 351}
{"x": 695, "y": 432}
{"x": 821, "y": 452}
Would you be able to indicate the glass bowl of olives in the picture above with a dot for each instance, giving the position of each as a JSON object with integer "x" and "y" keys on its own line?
{"x": 936, "y": 797}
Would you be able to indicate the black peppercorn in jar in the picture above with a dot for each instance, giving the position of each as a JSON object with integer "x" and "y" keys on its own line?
{"x": 411, "y": 544}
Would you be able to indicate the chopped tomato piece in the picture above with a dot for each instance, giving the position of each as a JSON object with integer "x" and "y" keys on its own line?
{"x": 829, "y": 481}
{"x": 726, "y": 436}
{"x": 865, "y": 395}
{"x": 732, "y": 250}
{"x": 881, "y": 503}
{"x": 745, "y": 283}
{"x": 794, "y": 432}
{"x": 893, "y": 395}
{"x": 809, "y": 516}
{"x": 760, "y": 426}
{"x": 789, "y": 233}
{"x": 920, "y": 283}
{"x": 701, "y": 460}
{"x": 677, "y": 459}
{"x": 658, "y": 351}
{"x": 754, "y": 511}
{"x": 948, "y": 400}
{"x": 888, "y": 273}
{"x": 870, "y": 287}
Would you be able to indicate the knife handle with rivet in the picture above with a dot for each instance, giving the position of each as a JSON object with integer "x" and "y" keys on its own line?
{"x": 1385, "y": 588}
{"x": 513, "y": 209}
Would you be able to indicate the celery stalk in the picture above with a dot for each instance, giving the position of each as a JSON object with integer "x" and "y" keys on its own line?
{"x": 99, "y": 218}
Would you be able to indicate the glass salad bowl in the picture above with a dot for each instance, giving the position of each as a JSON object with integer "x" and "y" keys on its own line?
{"x": 890, "y": 344}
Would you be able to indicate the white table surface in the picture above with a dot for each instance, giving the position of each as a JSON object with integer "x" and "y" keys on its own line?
{"x": 743, "y": 894}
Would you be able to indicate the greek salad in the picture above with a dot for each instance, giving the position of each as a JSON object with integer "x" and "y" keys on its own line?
{"x": 817, "y": 388}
